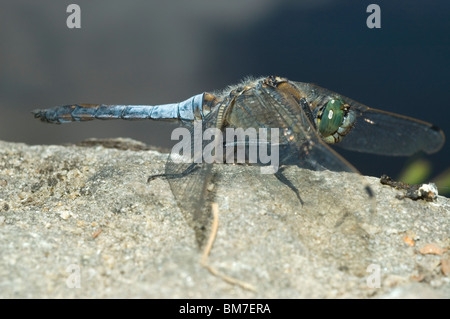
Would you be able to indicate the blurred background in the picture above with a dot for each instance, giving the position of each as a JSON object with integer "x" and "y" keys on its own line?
{"x": 157, "y": 52}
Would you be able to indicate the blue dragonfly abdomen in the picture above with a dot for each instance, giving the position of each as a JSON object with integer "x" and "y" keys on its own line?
{"x": 194, "y": 108}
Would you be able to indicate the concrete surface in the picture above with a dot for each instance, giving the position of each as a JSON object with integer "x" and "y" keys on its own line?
{"x": 82, "y": 221}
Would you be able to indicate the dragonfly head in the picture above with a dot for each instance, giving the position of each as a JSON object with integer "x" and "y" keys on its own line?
{"x": 334, "y": 120}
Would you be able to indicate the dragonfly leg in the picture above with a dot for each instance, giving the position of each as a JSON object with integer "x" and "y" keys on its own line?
{"x": 190, "y": 169}
{"x": 282, "y": 178}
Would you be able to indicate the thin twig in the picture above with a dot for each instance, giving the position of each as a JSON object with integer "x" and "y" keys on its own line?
{"x": 207, "y": 250}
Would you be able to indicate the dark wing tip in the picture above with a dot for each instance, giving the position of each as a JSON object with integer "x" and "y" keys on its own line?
{"x": 437, "y": 129}
{"x": 440, "y": 139}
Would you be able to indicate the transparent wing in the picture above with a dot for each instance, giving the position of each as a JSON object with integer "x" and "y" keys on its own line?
{"x": 190, "y": 191}
{"x": 189, "y": 177}
{"x": 299, "y": 142}
{"x": 380, "y": 132}
{"x": 326, "y": 209}
{"x": 386, "y": 133}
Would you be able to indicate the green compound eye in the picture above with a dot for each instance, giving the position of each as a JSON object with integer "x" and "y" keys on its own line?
{"x": 332, "y": 117}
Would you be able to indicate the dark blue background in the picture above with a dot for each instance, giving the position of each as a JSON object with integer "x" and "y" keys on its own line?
{"x": 145, "y": 52}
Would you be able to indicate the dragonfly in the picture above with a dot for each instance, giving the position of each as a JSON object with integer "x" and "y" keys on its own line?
{"x": 307, "y": 119}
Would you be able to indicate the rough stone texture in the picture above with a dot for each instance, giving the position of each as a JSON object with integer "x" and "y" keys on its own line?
{"x": 91, "y": 208}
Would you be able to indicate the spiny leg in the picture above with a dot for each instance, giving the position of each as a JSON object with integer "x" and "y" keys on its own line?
{"x": 191, "y": 168}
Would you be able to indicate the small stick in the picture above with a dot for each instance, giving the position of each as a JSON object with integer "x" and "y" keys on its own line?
{"x": 207, "y": 250}
{"x": 96, "y": 233}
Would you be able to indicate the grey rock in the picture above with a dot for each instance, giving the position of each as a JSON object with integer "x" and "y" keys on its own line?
{"x": 85, "y": 216}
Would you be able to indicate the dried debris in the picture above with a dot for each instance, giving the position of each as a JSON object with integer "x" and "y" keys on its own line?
{"x": 426, "y": 192}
